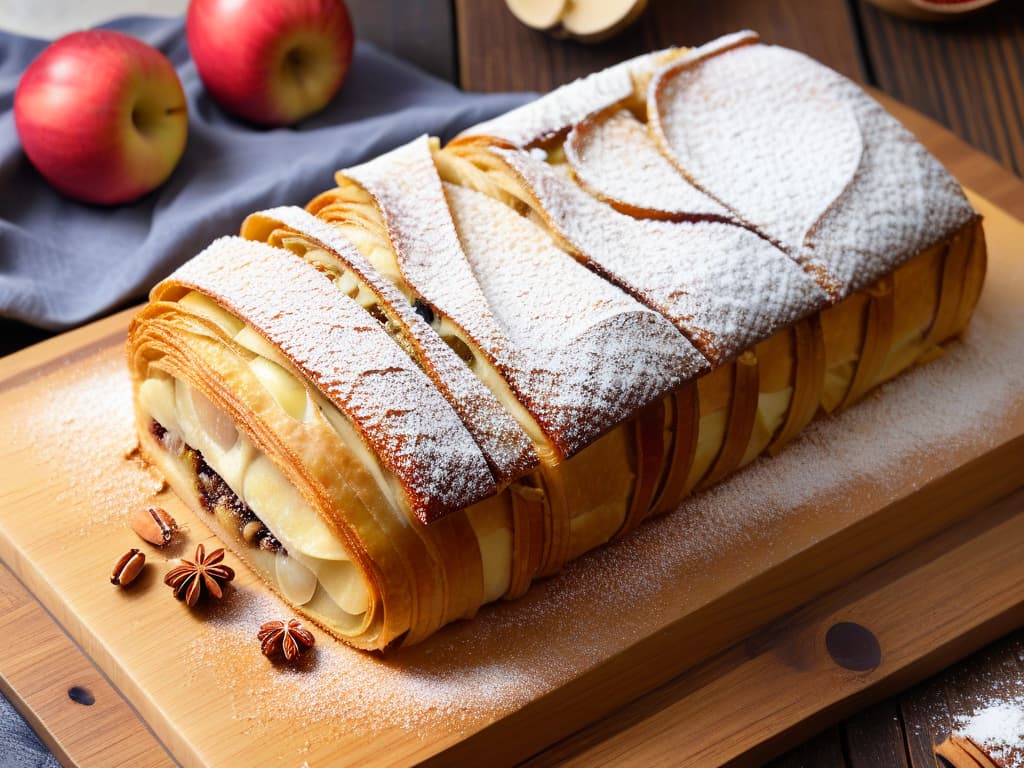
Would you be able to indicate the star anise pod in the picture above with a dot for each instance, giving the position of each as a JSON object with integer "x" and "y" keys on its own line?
{"x": 285, "y": 638}
{"x": 206, "y": 574}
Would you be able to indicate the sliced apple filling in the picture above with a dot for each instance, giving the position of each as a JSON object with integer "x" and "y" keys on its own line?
{"x": 353, "y": 212}
{"x": 253, "y": 502}
{"x": 311, "y": 554}
{"x": 383, "y": 259}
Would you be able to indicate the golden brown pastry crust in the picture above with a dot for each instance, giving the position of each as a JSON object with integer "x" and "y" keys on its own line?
{"x": 426, "y": 540}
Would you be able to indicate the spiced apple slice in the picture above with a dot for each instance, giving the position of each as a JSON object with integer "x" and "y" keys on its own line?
{"x": 505, "y": 446}
{"x": 316, "y": 419}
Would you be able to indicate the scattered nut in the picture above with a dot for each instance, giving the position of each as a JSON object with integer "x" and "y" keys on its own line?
{"x": 154, "y": 525}
{"x": 128, "y": 568}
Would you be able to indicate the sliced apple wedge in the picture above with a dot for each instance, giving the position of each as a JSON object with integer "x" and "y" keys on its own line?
{"x": 878, "y": 340}
{"x": 960, "y": 271}
{"x": 652, "y": 454}
{"x": 588, "y": 21}
{"x": 531, "y": 517}
{"x": 974, "y": 276}
{"x": 808, "y": 381}
{"x": 538, "y": 14}
{"x": 591, "y": 21}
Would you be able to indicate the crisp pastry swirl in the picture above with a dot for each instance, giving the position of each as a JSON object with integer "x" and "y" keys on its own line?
{"x": 462, "y": 367}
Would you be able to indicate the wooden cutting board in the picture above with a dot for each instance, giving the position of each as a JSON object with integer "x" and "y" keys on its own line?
{"x": 859, "y": 502}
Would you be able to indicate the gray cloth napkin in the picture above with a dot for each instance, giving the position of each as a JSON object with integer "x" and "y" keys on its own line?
{"x": 62, "y": 262}
{"x": 19, "y": 746}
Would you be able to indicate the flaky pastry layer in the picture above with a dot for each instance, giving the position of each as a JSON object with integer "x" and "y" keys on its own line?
{"x": 462, "y": 368}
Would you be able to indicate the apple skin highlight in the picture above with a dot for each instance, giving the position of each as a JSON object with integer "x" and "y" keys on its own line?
{"x": 102, "y": 116}
{"x": 271, "y": 62}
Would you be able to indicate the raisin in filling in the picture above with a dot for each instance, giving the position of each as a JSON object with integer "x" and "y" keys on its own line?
{"x": 216, "y": 495}
{"x": 158, "y": 431}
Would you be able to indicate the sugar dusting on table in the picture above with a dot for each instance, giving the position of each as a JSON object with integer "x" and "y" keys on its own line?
{"x": 475, "y": 671}
{"x": 998, "y": 728}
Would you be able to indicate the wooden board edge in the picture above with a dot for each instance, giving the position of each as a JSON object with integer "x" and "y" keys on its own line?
{"x": 784, "y": 670}
{"x": 41, "y": 668}
{"x": 40, "y": 358}
{"x": 759, "y": 602}
{"x": 147, "y": 711}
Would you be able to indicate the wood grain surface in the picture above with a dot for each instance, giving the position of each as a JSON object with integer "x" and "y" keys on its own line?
{"x": 966, "y": 74}
{"x": 496, "y": 53}
{"x": 785, "y": 672}
{"x": 421, "y": 32}
{"x": 61, "y": 693}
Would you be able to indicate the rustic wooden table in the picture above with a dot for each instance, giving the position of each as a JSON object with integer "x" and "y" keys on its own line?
{"x": 968, "y": 75}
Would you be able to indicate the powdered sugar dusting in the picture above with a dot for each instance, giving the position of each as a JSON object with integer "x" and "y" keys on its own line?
{"x": 900, "y": 202}
{"x": 337, "y": 690}
{"x": 407, "y": 189}
{"x": 787, "y": 154}
{"x": 475, "y": 671}
{"x": 808, "y": 159}
{"x": 64, "y": 436}
{"x": 616, "y": 160}
{"x": 998, "y": 729}
{"x": 555, "y": 112}
{"x": 724, "y": 287}
{"x": 504, "y": 444}
{"x": 578, "y": 353}
{"x": 352, "y": 360}
{"x": 590, "y": 355}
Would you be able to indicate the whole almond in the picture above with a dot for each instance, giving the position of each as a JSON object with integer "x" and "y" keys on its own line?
{"x": 154, "y": 525}
{"x": 128, "y": 568}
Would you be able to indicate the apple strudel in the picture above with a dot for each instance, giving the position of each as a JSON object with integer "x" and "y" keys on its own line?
{"x": 463, "y": 367}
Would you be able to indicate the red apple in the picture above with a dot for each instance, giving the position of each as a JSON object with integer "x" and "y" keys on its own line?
{"x": 272, "y": 62}
{"x": 102, "y": 116}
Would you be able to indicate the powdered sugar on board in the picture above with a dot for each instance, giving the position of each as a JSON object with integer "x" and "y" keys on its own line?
{"x": 476, "y": 671}
{"x": 87, "y": 433}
